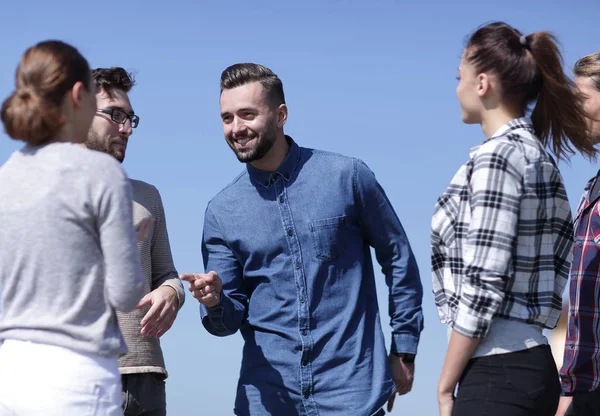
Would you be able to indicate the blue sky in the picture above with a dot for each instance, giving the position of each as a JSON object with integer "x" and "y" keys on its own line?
{"x": 372, "y": 79}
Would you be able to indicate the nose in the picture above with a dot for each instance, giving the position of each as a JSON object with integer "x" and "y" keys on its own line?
{"x": 238, "y": 125}
{"x": 125, "y": 128}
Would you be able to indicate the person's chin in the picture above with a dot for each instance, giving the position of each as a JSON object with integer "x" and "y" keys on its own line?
{"x": 245, "y": 157}
{"x": 119, "y": 155}
{"x": 468, "y": 118}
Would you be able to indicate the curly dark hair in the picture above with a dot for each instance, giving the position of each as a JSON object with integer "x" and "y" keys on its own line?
{"x": 111, "y": 79}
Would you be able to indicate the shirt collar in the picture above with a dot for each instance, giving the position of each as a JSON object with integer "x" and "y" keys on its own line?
{"x": 517, "y": 123}
{"x": 285, "y": 170}
{"x": 589, "y": 186}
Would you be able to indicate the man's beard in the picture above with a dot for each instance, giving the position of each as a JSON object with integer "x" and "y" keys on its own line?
{"x": 264, "y": 143}
{"x": 95, "y": 142}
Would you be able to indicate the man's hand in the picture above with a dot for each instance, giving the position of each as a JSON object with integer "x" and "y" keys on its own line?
{"x": 142, "y": 228}
{"x": 563, "y": 405}
{"x": 164, "y": 305}
{"x": 205, "y": 287}
{"x": 403, "y": 375}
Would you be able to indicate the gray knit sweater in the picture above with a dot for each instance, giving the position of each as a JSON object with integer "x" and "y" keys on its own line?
{"x": 145, "y": 354}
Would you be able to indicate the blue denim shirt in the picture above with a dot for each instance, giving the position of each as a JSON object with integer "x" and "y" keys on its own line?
{"x": 293, "y": 250}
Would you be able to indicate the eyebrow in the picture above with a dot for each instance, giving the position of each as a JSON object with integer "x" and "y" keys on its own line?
{"x": 248, "y": 109}
{"x": 117, "y": 107}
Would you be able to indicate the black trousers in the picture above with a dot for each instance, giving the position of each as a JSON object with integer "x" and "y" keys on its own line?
{"x": 522, "y": 383}
{"x": 144, "y": 394}
{"x": 585, "y": 404}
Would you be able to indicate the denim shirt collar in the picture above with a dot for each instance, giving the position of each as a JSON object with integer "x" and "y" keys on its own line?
{"x": 285, "y": 170}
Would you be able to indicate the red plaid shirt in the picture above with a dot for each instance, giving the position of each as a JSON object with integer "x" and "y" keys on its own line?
{"x": 581, "y": 367}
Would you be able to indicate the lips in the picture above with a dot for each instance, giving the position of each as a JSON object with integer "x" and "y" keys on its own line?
{"x": 241, "y": 143}
{"x": 119, "y": 144}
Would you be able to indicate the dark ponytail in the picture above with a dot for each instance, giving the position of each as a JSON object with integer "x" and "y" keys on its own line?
{"x": 558, "y": 114}
{"x": 530, "y": 69}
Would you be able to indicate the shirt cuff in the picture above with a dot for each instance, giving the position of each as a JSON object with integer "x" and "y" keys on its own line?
{"x": 470, "y": 324}
{"x": 213, "y": 319}
{"x": 216, "y": 312}
{"x": 404, "y": 343}
{"x": 178, "y": 287}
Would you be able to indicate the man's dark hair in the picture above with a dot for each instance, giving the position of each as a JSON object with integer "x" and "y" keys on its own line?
{"x": 111, "y": 79}
{"x": 246, "y": 73}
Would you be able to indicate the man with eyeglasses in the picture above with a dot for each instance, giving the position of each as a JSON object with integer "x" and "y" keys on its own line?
{"x": 143, "y": 368}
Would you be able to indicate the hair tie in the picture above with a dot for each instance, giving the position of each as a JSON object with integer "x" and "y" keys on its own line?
{"x": 523, "y": 40}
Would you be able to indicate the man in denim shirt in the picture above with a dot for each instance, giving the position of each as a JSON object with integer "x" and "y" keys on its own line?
{"x": 287, "y": 250}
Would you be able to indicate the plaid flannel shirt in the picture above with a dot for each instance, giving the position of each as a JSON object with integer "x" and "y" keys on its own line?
{"x": 581, "y": 365}
{"x": 502, "y": 236}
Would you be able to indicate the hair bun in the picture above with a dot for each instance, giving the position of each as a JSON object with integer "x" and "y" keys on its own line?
{"x": 46, "y": 72}
{"x": 25, "y": 94}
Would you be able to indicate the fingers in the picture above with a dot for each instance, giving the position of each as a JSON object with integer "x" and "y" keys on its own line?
{"x": 145, "y": 301}
{"x": 390, "y": 404}
{"x": 196, "y": 280}
{"x": 189, "y": 277}
{"x": 159, "y": 326}
{"x": 403, "y": 386}
{"x": 406, "y": 387}
{"x": 212, "y": 278}
{"x": 207, "y": 295}
{"x": 161, "y": 314}
{"x": 206, "y": 288}
{"x": 152, "y": 314}
{"x": 160, "y": 331}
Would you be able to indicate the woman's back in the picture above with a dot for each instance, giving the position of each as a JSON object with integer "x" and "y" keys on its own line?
{"x": 68, "y": 254}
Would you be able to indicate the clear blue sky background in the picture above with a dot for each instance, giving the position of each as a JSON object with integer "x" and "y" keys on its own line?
{"x": 372, "y": 79}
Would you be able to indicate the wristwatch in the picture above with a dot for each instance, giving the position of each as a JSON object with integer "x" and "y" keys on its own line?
{"x": 405, "y": 357}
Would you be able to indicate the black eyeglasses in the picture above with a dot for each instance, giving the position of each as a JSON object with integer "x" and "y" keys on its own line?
{"x": 120, "y": 116}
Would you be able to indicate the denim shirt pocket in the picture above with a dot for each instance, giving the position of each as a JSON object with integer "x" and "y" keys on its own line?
{"x": 329, "y": 237}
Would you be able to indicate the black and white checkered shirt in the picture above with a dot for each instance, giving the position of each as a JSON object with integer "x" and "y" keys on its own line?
{"x": 502, "y": 235}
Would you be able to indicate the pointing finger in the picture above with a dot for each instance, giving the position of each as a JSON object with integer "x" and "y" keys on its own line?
{"x": 189, "y": 277}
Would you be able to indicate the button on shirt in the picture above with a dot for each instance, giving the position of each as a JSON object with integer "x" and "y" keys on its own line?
{"x": 502, "y": 236}
{"x": 580, "y": 372}
{"x": 293, "y": 250}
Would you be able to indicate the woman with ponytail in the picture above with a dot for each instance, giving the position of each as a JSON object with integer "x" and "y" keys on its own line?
{"x": 502, "y": 231}
{"x": 69, "y": 256}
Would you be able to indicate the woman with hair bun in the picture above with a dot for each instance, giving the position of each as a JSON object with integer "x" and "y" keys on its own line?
{"x": 69, "y": 256}
{"x": 502, "y": 232}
